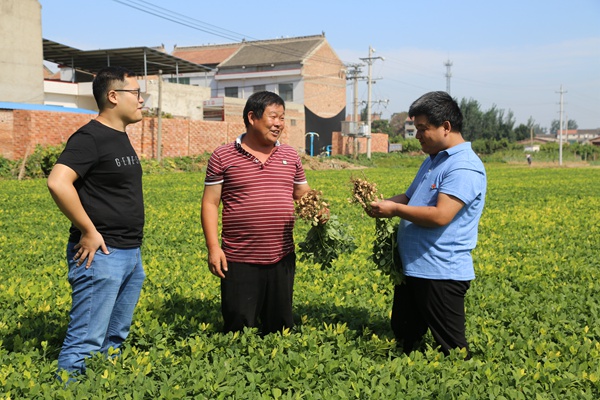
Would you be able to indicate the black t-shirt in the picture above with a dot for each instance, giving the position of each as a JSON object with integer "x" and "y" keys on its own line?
{"x": 109, "y": 183}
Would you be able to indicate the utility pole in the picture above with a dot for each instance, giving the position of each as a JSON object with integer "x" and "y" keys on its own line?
{"x": 354, "y": 74}
{"x": 448, "y": 65}
{"x": 531, "y": 136}
{"x": 369, "y": 60}
{"x": 159, "y": 113}
{"x": 560, "y": 125}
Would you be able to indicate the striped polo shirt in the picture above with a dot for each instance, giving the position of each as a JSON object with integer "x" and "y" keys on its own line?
{"x": 258, "y": 205}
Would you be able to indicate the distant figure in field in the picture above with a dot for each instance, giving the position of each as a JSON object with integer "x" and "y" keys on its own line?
{"x": 529, "y": 159}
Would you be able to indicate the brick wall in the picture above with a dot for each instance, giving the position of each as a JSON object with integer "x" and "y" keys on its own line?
{"x": 22, "y": 130}
{"x": 324, "y": 82}
{"x": 6, "y": 133}
{"x": 181, "y": 137}
{"x": 345, "y": 144}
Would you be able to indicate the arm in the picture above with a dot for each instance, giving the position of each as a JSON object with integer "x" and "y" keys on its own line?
{"x": 300, "y": 190}
{"x": 60, "y": 183}
{"x": 400, "y": 198}
{"x": 217, "y": 263}
{"x": 429, "y": 216}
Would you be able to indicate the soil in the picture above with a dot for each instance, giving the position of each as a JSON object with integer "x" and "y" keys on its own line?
{"x": 320, "y": 163}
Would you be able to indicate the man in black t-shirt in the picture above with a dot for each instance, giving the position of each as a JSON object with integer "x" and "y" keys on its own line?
{"x": 97, "y": 184}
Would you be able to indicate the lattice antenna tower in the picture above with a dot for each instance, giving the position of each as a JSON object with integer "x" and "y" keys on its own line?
{"x": 448, "y": 65}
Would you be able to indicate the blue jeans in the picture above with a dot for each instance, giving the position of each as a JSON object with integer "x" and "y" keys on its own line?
{"x": 103, "y": 299}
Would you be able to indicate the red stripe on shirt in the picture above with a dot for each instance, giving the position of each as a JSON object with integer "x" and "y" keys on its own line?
{"x": 258, "y": 205}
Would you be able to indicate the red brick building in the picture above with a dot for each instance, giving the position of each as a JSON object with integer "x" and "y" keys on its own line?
{"x": 302, "y": 70}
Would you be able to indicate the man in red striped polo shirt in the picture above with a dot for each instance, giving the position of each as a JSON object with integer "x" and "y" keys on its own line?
{"x": 257, "y": 178}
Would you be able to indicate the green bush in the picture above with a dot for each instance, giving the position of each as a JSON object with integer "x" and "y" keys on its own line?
{"x": 6, "y": 168}
{"x": 410, "y": 145}
{"x": 39, "y": 163}
{"x": 176, "y": 164}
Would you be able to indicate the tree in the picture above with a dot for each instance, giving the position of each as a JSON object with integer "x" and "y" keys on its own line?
{"x": 522, "y": 132}
{"x": 363, "y": 114}
{"x": 491, "y": 124}
{"x": 397, "y": 122}
{"x": 555, "y": 126}
{"x": 537, "y": 129}
{"x": 472, "y": 119}
{"x": 382, "y": 126}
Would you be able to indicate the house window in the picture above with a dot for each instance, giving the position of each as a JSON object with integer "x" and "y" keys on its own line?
{"x": 231, "y": 91}
{"x": 286, "y": 91}
{"x": 259, "y": 88}
{"x": 182, "y": 81}
{"x": 293, "y": 122}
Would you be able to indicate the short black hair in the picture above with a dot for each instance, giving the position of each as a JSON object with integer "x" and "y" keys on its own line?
{"x": 257, "y": 103}
{"x": 438, "y": 107}
{"x": 104, "y": 81}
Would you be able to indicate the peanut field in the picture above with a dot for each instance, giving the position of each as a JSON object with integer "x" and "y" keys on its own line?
{"x": 533, "y": 312}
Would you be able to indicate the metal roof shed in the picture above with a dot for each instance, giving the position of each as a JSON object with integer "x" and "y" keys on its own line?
{"x": 143, "y": 61}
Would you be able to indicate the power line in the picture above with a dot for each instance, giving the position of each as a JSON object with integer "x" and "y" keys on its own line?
{"x": 176, "y": 17}
{"x": 184, "y": 20}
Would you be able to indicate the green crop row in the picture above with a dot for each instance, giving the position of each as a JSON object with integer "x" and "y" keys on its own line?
{"x": 533, "y": 313}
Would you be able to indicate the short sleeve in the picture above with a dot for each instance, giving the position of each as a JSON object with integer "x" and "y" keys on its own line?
{"x": 300, "y": 177}
{"x": 214, "y": 170}
{"x": 80, "y": 153}
{"x": 464, "y": 184}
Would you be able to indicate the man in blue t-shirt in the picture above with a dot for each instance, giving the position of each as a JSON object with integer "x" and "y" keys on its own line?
{"x": 97, "y": 184}
{"x": 439, "y": 214}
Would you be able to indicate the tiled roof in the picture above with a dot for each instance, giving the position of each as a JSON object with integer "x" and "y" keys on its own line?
{"x": 279, "y": 51}
{"x": 207, "y": 55}
{"x": 48, "y": 74}
{"x": 259, "y": 52}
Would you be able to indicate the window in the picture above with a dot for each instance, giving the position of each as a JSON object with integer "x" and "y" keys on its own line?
{"x": 259, "y": 88}
{"x": 286, "y": 91}
{"x": 231, "y": 91}
{"x": 182, "y": 81}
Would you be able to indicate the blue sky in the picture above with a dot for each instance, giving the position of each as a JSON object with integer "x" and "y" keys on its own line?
{"x": 514, "y": 55}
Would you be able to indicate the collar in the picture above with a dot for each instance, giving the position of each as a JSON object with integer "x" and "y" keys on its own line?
{"x": 459, "y": 147}
{"x": 238, "y": 141}
{"x": 452, "y": 150}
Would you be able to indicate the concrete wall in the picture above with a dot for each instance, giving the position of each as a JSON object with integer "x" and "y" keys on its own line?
{"x": 21, "y": 72}
{"x": 66, "y": 94}
{"x": 178, "y": 100}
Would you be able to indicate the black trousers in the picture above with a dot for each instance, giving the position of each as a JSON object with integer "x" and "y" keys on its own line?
{"x": 437, "y": 305}
{"x": 258, "y": 295}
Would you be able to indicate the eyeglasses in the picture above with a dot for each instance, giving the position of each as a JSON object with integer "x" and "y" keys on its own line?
{"x": 137, "y": 92}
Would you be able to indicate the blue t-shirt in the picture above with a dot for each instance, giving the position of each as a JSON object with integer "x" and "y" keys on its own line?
{"x": 444, "y": 252}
